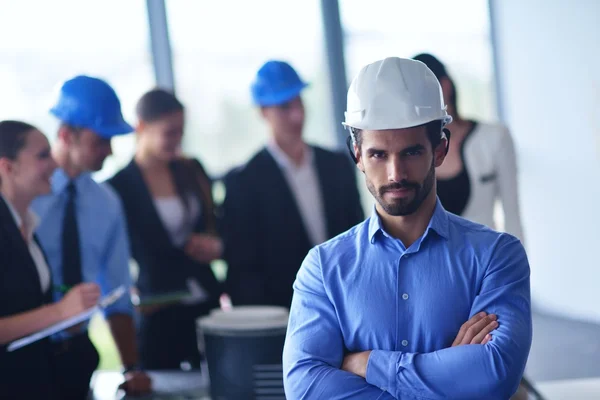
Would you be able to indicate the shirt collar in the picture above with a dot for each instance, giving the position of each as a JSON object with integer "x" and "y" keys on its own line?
{"x": 60, "y": 180}
{"x": 286, "y": 162}
{"x": 438, "y": 222}
{"x": 31, "y": 219}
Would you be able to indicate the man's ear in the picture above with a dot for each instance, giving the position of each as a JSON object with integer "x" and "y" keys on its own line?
{"x": 140, "y": 126}
{"x": 358, "y": 158}
{"x": 65, "y": 135}
{"x": 263, "y": 112}
{"x": 439, "y": 153}
{"x": 5, "y": 165}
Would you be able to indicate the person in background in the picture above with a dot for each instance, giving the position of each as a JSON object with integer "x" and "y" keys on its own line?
{"x": 416, "y": 302}
{"x": 289, "y": 197}
{"x": 26, "y": 305}
{"x": 83, "y": 230}
{"x": 481, "y": 165}
{"x": 173, "y": 233}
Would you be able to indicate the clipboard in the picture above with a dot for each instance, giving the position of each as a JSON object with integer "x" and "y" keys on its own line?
{"x": 106, "y": 301}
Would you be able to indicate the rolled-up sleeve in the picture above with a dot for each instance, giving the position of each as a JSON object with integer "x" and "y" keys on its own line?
{"x": 314, "y": 347}
{"x": 114, "y": 269}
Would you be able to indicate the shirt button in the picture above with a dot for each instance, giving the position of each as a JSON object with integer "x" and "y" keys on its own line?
{"x": 405, "y": 296}
{"x": 405, "y": 343}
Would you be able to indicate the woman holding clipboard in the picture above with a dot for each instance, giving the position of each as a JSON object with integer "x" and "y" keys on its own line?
{"x": 25, "y": 281}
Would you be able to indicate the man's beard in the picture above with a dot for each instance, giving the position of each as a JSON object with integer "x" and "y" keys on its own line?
{"x": 404, "y": 206}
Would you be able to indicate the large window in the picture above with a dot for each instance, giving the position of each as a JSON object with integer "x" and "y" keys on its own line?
{"x": 46, "y": 42}
{"x": 457, "y": 32}
{"x": 217, "y": 49}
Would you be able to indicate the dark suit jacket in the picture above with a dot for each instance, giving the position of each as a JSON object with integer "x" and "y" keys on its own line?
{"x": 167, "y": 337}
{"x": 163, "y": 267}
{"x": 265, "y": 237}
{"x": 26, "y": 372}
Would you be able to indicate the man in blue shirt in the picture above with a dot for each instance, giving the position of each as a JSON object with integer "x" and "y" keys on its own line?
{"x": 415, "y": 302}
{"x": 83, "y": 230}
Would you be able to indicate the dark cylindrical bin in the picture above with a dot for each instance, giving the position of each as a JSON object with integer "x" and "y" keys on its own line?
{"x": 243, "y": 349}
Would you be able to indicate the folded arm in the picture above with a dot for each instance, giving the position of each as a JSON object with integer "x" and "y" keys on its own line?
{"x": 314, "y": 347}
{"x": 490, "y": 371}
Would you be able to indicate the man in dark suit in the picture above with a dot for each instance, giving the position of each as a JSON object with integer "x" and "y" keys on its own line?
{"x": 288, "y": 198}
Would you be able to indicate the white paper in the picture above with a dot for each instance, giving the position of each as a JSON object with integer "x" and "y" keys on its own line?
{"x": 62, "y": 325}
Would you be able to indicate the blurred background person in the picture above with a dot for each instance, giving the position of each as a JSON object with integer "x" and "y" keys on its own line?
{"x": 83, "y": 230}
{"x": 172, "y": 229}
{"x": 26, "y": 166}
{"x": 480, "y": 167}
{"x": 287, "y": 198}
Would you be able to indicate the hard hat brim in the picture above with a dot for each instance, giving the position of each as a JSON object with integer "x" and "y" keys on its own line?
{"x": 445, "y": 120}
{"x": 281, "y": 97}
{"x": 107, "y": 132}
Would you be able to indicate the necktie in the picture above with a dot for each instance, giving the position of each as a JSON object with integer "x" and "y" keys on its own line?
{"x": 71, "y": 252}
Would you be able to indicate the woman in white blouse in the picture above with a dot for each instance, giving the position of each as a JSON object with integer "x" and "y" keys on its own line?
{"x": 168, "y": 203}
{"x": 481, "y": 166}
{"x": 25, "y": 281}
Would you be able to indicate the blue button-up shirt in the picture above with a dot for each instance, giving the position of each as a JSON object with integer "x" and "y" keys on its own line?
{"x": 364, "y": 290}
{"x": 102, "y": 235}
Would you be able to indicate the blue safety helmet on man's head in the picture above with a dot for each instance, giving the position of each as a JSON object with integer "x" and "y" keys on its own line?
{"x": 87, "y": 102}
{"x": 276, "y": 83}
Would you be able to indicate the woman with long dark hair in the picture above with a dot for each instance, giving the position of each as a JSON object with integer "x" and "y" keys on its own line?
{"x": 172, "y": 228}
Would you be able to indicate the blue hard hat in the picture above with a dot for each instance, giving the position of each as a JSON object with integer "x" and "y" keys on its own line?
{"x": 276, "y": 83}
{"x": 87, "y": 102}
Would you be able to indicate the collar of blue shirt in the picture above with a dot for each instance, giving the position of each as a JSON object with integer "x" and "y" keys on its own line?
{"x": 438, "y": 223}
{"x": 60, "y": 180}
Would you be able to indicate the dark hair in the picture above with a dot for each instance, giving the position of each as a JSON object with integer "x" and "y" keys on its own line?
{"x": 434, "y": 133}
{"x": 439, "y": 70}
{"x": 152, "y": 106}
{"x": 157, "y": 103}
{"x": 13, "y": 135}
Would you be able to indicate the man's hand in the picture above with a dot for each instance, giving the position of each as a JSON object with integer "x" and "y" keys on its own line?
{"x": 356, "y": 363}
{"x": 476, "y": 330}
{"x": 137, "y": 383}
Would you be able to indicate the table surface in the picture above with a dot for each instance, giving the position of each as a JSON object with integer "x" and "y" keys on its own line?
{"x": 171, "y": 385}
{"x": 571, "y": 389}
{"x": 168, "y": 385}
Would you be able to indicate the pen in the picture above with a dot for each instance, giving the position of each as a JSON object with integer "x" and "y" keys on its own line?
{"x": 62, "y": 288}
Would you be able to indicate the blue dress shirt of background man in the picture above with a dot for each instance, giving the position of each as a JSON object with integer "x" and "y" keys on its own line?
{"x": 83, "y": 230}
{"x": 415, "y": 302}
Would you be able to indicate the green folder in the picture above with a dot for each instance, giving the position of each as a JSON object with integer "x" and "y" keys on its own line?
{"x": 165, "y": 298}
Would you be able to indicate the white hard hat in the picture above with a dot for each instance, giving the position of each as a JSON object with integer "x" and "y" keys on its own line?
{"x": 395, "y": 93}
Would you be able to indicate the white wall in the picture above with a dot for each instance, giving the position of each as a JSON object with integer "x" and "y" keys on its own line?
{"x": 549, "y": 67}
